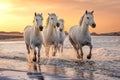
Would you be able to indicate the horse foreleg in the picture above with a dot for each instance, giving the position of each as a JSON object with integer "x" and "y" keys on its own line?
{"x": 47, "y": 50}
{"x": 59, "y": 48}
{"x": 55, "y": 50}
{"x": 81, "y": 52}
{"x": 89, "y": 55}
{"x": 62, "y": 48}
{"x": 34, "y": 58}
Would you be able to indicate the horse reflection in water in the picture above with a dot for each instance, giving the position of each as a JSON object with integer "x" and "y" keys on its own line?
{"x": 35, "y": 71}
{"x": 50, "y": 72}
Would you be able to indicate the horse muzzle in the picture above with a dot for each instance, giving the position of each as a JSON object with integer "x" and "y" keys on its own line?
{"x": 57, "y": 24}
{"x": 61, "y": 30}
{"x": 93, "y": 25}
{"x": 40, "y": 28}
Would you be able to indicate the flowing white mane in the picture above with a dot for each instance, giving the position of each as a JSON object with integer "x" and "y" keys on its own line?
{"x": 81, "y": 20}
{"x": 47, "y": 21}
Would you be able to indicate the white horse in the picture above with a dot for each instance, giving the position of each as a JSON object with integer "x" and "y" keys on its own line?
{"x": 79, "y": 36}
{"x": 33, "y": 36}
{"x": 61, "y": 35}
{"x": 50, "y": 34}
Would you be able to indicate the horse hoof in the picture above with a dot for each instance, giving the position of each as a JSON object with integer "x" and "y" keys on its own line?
{"x": 88, "y": 57}
{"x": 78, "y": 57}
{"x": 53, "y": 54}
{"x": 34, "y": 59}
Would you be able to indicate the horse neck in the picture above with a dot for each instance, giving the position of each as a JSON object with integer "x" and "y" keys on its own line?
{"x": 61, "y": 32}
{"x": 36, "y": 30}
{"x": 50, "y": 29}
{"x": 84, "y": 28}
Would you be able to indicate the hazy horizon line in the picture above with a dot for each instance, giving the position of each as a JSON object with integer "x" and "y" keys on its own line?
{"x": 64, "y": 31}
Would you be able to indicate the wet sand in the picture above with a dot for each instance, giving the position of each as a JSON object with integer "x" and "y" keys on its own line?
{"x": 104, "y": 65}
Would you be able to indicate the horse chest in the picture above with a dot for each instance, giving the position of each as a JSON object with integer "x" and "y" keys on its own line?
{"x": 36, "y": 41}
{"x": 85, "y": 43}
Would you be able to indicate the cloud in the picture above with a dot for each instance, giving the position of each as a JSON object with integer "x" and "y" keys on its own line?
{"x": 65, "y": 5}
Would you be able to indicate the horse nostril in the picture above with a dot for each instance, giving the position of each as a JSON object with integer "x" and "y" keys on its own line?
{"x": 41, "y": 28}
{"x": 60, "y": 29}
{"x": 94, "y": 25}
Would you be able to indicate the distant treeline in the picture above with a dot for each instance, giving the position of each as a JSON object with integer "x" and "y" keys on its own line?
{"x": 106, "y": 34}
{"x": 102, "y": 34}
{"x": 10, "y": 35}
{"x": 2, "y": 32}
{"x": 20, "y": 34}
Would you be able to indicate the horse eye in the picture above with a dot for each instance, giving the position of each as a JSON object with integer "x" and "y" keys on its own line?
{"x": 36, "y": 19}
{"x": 87, "y": 17}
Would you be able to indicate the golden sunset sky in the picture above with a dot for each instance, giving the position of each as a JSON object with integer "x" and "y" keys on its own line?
{"x": 16, "y": 14}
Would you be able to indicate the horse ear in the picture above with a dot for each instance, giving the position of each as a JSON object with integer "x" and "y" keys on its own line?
{"x": 49, "y": 14}
{"x": 86, "y": 11}
{"x": 92, "y": 12}
{"x": 35, "y": 13}
{"x": 41, "y": 14}
{"x": 63, "y": 21}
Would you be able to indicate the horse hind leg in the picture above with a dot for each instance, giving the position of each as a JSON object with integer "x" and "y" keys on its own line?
{"x": 35, "y": 59}
{"x": 81, "y": 53}
{"x": 75, "y": 47}
{"x": 28, "y": 49}
{"x": 73, "y": 44}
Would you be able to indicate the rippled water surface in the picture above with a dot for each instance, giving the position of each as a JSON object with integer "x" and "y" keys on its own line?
{"x": 104, "y": 65}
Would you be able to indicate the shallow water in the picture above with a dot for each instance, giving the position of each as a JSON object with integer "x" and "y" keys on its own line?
{"x": 51, "y": 72}
{"x": 104, "y": 65}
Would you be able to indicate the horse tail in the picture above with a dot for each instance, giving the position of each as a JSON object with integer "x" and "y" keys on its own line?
{"x": 71, "y": 39}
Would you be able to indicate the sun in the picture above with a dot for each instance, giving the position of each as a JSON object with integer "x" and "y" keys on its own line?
{"x": 4, "y": 6}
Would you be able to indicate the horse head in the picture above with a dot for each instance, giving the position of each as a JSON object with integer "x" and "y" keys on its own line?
{"x": 53, "y": 19}
{"x": 89, "y": 19}
{"x": 38, "y": 21}
{"x": 61, "y": 25}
